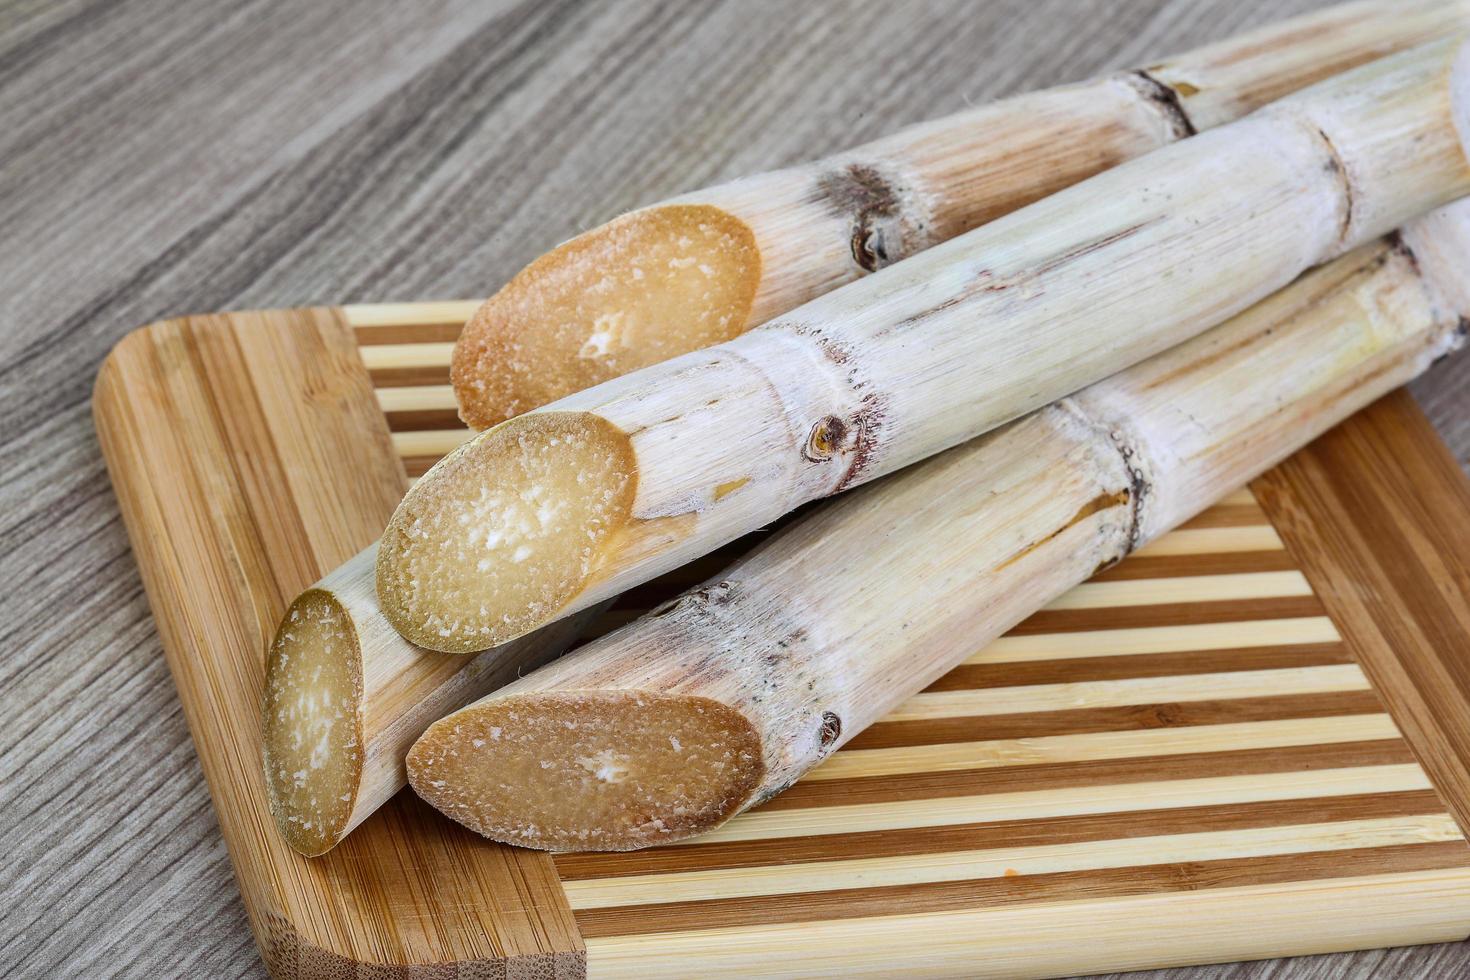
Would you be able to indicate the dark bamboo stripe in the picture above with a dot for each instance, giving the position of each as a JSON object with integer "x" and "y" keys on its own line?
{"x": 1228, "y": 515}
{"x": 1005, "y": 833}
{"x": 424, "y": 420}
{"x": 401, "y": 376}
{"x": 416, "y": 466}
{"x": 970, "y": 677}
{"x": 409, "y": 333}
{"x": 1183, "y": 566}
{"x": 1173, "y": 614}
{"x": 1019, "y": 890}
{"x": 1123, "y": 718}
{"x": 1096, "y": 772}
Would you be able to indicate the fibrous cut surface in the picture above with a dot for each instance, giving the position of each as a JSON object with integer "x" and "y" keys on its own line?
{"x": 312, "y": 722}
{"x": 596, "y": 770}
{"x": 641, "y": 289}
{"x": 504, "y": 532}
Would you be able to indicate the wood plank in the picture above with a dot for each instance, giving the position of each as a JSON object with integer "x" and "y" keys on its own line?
{"x": 371, "y": 321}
{"x": 1000, "y": 833}
{"x": 1213, "y": 540}
{"x": 1171, "y": 614}
{"x": 1034, "y": 645}
{"x": 1216, "y": 761}
{"x": 1235, "y": 512}
{"x": 1196, "y": 589}
{"x": 431, "y": 444}
{"x": 1375, "y": 513}
{"x": 1084, "y": 694}
{"x": 1289, "y": 919}
{"x": 1161, "y": 795}
{"x": 995, "y": 753}
{"x": 1008, "y": 862}
{"x": 991, "y": 675}
{"x": 419, "y": 354}
{"x": 1126, "y": 718}
{"x": 1141, "y": 565}
{"x": 995, "y": 893}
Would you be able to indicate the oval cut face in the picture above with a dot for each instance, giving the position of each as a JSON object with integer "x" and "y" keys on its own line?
{"x": 638, "y": 290}
{"x": 575, "y": 771}
{"x": 505, "y": 531}
{"x": 312, "y": 722}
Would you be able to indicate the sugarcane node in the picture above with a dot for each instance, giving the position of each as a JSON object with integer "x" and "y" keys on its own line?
{"x": 827, "y": 437}
{"x": 830, "y": 730}
{"x": 1397, "y": 246}
{"x": 1334, "y": 166}
{"x": 865, "y": 438}
{"x": 832, "y": 349}
{"x": 872, "y": 202}
{"x": 716, "y": 594}
{"x": 1165, "y": 98}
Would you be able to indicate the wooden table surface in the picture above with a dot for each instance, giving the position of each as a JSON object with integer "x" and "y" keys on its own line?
{"x": 160, "y": 158}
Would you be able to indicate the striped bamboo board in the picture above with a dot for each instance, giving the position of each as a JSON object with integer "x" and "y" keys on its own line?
{"x": 1247, "y": 740}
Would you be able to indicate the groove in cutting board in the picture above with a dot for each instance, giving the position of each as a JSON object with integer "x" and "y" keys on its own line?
{"x": 1181, "y": 761}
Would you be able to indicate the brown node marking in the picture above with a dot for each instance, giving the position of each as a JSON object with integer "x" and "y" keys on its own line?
{"x": 715, "y": 594}
{"x": 866, "y": 423}
{"x": 831, "y": 729}
{"x": 1335, "y": 165}
{"x": 862, "y": 194}
{"x": 826, "y": 439}
{"x": 1397, "y": 245}
{"x": 1165, "y": 98}
{"x": 831, "y": 348}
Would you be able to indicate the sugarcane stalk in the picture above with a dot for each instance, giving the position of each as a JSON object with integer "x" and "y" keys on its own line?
{"x": 557, "y": 509}
{"x": 345, "y": 697}
{"x": 704, "y": 267}
{"x": 695, "y": 712}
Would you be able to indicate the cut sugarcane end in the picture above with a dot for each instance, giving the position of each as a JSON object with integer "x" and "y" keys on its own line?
{"x": 313, "y": 722}
{"x": 641, "y": 289}
{"x": 589, "y": 771}
{"x": 504, "y": 532}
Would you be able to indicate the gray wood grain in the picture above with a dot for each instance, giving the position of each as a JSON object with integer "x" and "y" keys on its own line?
{"x": 158, "y": 158}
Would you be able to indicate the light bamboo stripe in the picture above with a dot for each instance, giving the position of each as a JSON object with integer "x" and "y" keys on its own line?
{"x": 1214, "y": 541}
{"x": 1169, "y": 794}
{"x": 1124, "y": 933}
{"x": 1239, "y": 497}
{"x": 1132, "y": 690}
{"x": 917, "y": 869}
{"x": 1144, "y": 640}
{"x": 1091, "y": 746}
{"x": 1193, "y": 588}
{"x": 410, "y": 314}
{"x": 379, "y": 357}
{"x": 417, "y": 398}
{"x": 431, "y": 442}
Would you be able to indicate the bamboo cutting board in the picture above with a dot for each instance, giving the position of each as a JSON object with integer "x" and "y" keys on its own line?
{"x": 1248, "y": 740}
